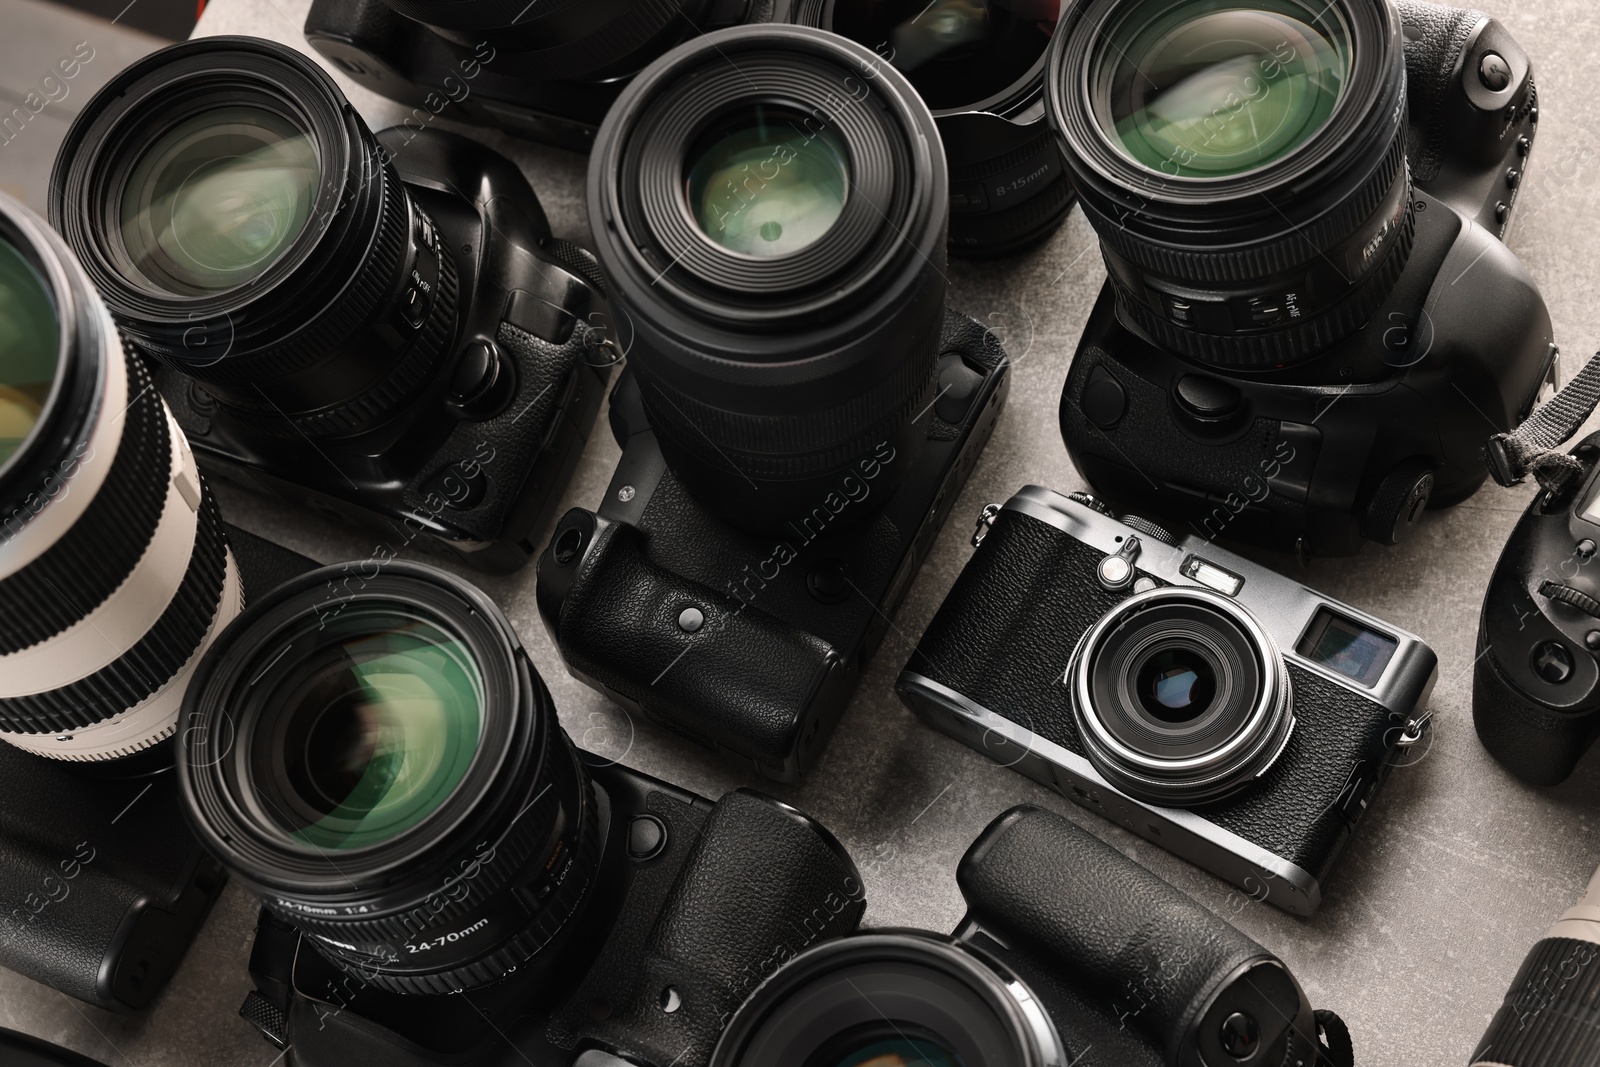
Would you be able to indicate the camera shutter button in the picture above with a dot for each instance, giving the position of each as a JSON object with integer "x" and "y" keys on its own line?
{"x": 646, "y": 837}
{"x": 1552, "y": 662}
{"x": 1494, "y": 72}
{"x": 1240, "y": 1035}
{"x": 1206, "y": 398}
{"x": 1116, "y": 571}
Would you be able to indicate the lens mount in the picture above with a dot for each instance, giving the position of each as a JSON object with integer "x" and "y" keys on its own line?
{"x": 379, "y": 761}
{"x": 775, "y": 371}
{"x": 1181, "y": 698}
{"x": 113, "y": 563}
{"x": 1240, "y": 265}
{"x": 244, "y": 226}
{"x": 909, "y": 992}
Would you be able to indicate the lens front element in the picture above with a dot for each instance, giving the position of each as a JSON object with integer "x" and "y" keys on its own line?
{"x": 381, "y": 717}
{"x": 1176, "y": 684}
{"x": 1207, "y": 88}
{"x": 30, "y": 343}
{"x": 217, "y": 199}
{"x": 898, "y": 1051}
{"x": 760, "y": 183}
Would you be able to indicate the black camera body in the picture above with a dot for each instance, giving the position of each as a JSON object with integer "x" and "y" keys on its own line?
{"x": 1536, "y": 682}
{"x": 484, "y": 76}
{"x": 693, "y": 905}
{"x": 749, "y": 644}
{"x": 1319, "y": 453}
{"x": 1024, "y": 661}
{"x": 472, "y": 466}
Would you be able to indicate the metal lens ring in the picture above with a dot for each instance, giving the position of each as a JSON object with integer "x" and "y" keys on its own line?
{"x": 1180, "y": 697}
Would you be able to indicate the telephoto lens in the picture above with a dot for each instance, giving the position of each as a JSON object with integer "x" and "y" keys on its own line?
{"x": 979, "y": 65}
{"x": 385, "y": 769}
{"x": 114, "y": 569}
{"x": 1246, "y": 150}
{"x": 770, "y": 206}
{"x": 1549, "y": 1015}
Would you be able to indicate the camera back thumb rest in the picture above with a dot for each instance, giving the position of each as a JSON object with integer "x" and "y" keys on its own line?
{"x": 1138, "y": 949}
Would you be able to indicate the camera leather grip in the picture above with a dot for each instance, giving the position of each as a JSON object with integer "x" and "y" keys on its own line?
{"x": 762, "y": 884}
{"x": 1132, "y": 945}
{"x": 1435, "y": 36}
{"x": 735, "y": 682}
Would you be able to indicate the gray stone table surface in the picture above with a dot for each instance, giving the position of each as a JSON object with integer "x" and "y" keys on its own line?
{"x": 1445, "y": 886}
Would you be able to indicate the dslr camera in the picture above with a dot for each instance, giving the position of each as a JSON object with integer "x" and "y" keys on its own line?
{"x": 1212, "y": 706}
{"x": 1070, "y": 955}
{"x": 1309, "y": 312}
{"x": 380, "y": 328}
{"x": 799, "y": 411}
{"x": 445, "y": 879}
{"x": 1536, "y": 681}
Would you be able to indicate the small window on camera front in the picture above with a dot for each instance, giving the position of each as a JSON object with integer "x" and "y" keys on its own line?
{"x": 1348, "y": 647}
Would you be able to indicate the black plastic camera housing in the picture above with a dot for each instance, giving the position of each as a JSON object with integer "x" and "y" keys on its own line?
{"x": 693, "y": 905}
{"x": 1318, "y": 450}
{"x": 1536, "y": 681}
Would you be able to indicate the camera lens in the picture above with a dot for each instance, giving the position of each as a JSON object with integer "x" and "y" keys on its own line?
{"x": 114, "y": 569}
{"x": 979, "y": 65}
{"x": 891, "y": 1000}
{"x": 1243, "y": 164}
{"x": 380, "y": 762}
{"x": 246, "y": 228}
{"x": 772, "y": 209}
{"x": 1181, "y": 698}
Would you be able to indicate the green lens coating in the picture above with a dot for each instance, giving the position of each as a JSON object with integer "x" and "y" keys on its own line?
{"x": 1210, "y": 89}
{"x": 900, "y": 1052}
{"x": 218, "y": 198}
{"x": 30, "y": 349}
{"x": 767, "y": 181}
{"x": 371, "y": 732}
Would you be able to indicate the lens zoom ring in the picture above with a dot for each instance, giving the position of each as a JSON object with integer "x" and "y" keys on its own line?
{"x": 801, "y": 444}
{"x": 1549, "y": 1009}
{"x": 150, "y": 663}
{"x": 1280, "y": 346}
{"x": 1250, "y": 263}
{"x": 96, "y": 555}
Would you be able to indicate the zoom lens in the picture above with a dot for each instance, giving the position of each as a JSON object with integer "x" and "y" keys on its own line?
{"x": 1243, "y": 164}
{"x": 114, "y": 570}
{"x": 777, "y": 241}
{"x": 1181, "y": 698}
{"x": 245, "y": 227}
{"x": 385, "y": 768}
{"x": 891, "y": 1000}
{"x": 979, "y": 65}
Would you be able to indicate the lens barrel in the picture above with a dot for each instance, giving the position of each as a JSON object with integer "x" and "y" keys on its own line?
{"x": 114, "y": 570}
{"x": 893, "y": 997}
{"x": 384, "y": 767}
{"x": 1180, "y": 697}
{"x": 245, "y": 227}
{"x": 1244, "y": 167}
{"x": 767, "y": 373}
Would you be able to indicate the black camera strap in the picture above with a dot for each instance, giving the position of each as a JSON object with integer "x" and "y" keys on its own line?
{"x": 1333, "y": 1040}
{"x": 1535, "y": 446}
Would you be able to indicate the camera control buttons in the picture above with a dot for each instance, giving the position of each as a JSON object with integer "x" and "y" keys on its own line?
{"x": 1116, "y": 571}
{"x": 1552, "y": 662}
{"x": 829, "y": 581}
{"x": 647, "y": 836}
{"x": 1104, "y": 400}
{"x": 1241, "y": 1035}
{"x": 1591, "y": 640}
{"x": 691, "y": 619}
{"x": 1494, "y": 72}
{"x": 1206, "y": 398}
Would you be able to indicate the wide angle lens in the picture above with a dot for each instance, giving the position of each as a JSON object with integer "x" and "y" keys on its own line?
{"x": 246, "y": 228}
{"x": 1181, "y": 698}
{"x": 114, "y": 570}
{"x": 778, "y": 244}
{"x": 891, "y": 1000}
{"x": 385, "y": 768}
{"x": 1243, "y": 164}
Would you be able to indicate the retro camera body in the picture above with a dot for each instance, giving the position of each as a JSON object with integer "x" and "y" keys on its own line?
{"x": 1069, "y": 954}
{"x": 1321, "y": 373}
{"x": 693, "y": 904}
{"x": 1536, "y": 682}
{"x": 1216, "y": 708}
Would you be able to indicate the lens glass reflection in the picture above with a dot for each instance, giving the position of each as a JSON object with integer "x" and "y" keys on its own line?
{"x": 1209, "y": 88}
{"x": 30, "y": 349}
{"x": 900, "y": 1052}
{"x": 1176, "y": 685}
{"x": 214, "y": 201}
{"x": 767, "y": 181}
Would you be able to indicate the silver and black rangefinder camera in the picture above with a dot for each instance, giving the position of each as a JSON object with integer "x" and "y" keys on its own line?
{"x": 1226, "y": 713}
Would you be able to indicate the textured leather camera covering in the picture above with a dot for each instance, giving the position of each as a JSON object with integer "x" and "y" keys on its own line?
{"x": 1134, "y": 951}
{"x": 1007, "y": 630}
{"x": 1434, "y": 39}
{"x": 758, "y": 887}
